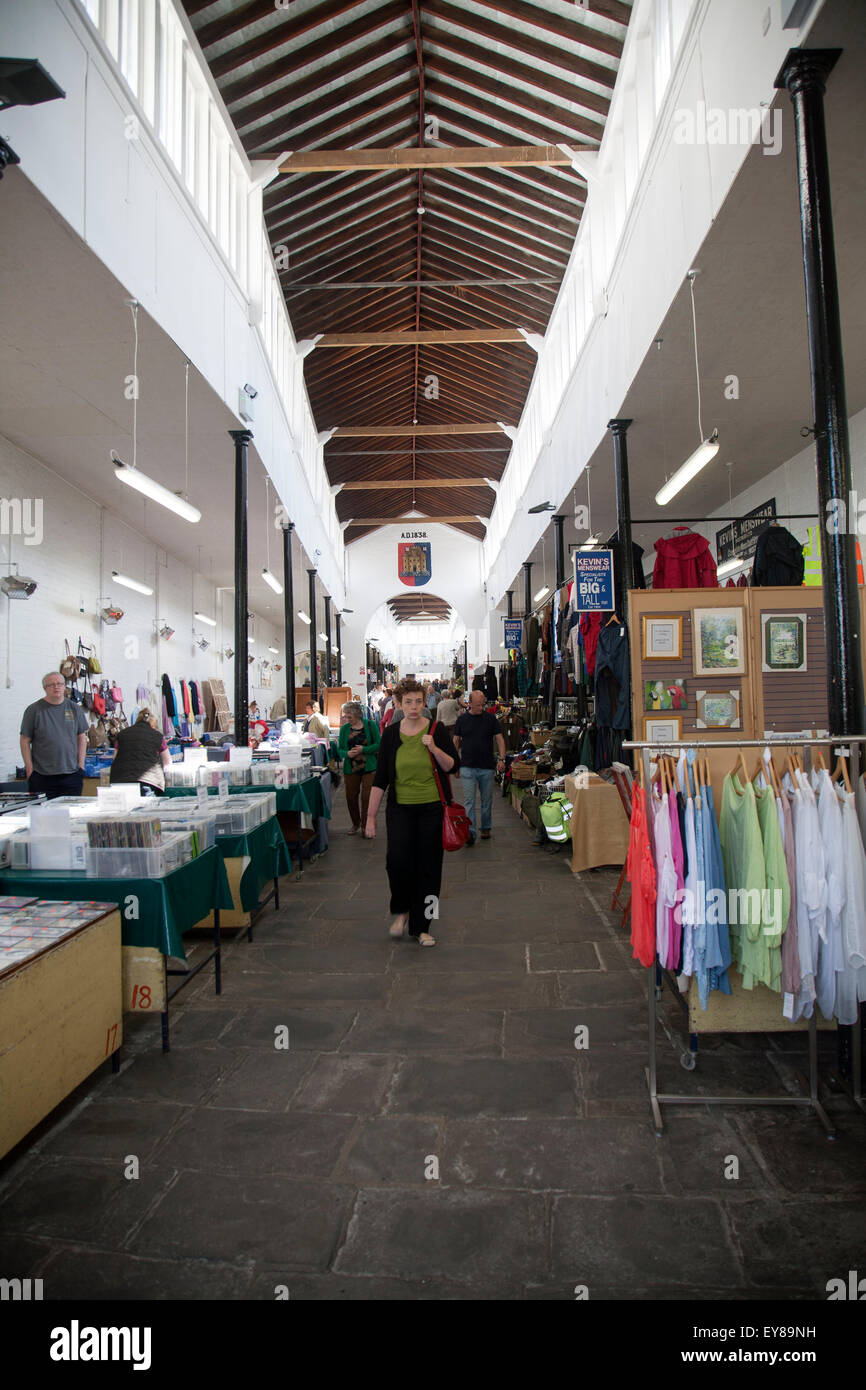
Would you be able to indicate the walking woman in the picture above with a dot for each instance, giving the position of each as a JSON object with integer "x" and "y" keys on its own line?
{"x": 413, "y": 815}
{"x": 357, "y": 745}
{"x": 142, "y": 755}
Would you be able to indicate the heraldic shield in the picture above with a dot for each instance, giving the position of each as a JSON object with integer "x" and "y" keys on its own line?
{"x": 413, "y": 563}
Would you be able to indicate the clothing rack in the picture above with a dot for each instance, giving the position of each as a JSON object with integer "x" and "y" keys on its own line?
{"x": 694, "y": 520}
{"x": 658, "y": 1099}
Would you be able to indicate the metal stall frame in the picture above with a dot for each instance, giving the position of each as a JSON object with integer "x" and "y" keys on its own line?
{"x": 658, "y": 1099}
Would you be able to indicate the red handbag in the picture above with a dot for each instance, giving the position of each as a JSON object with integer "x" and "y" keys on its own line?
{"x": 456, "y": 826}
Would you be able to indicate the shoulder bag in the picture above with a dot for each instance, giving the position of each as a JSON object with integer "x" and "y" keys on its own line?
{"x": 456, "y": 827}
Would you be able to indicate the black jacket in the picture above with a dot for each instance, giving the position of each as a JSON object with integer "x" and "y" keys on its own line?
{"x": 386, "y": 764}
{"x": 778, "y": 558}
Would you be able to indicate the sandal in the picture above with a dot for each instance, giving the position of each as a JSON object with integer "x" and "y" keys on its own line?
{"x": 398, "y": 928}
{"x": 425, "y": 939}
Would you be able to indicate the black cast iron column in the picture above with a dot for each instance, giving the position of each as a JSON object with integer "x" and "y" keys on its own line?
{"x": 289, "y": 618}
{"x": 339, "y": 633}
{"x": 314, "y": 674}
{"x": 327, "y": 640}
{"x": 559, "y": 549}
{"x": 805, "y": 73}
{"x": 527, "y": 588}
{"x": 510, "y": 596}
{"x": 242, "y": 710}
{"x": 625, "y": 577}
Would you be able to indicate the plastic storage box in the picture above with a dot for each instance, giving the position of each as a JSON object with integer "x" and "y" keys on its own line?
{"x": 200, "y": 823}
{"x": 64, "y": 852}
{"x": 176, "y": 849}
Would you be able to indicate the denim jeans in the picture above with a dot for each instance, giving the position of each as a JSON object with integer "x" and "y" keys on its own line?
{"x": 482, "y": 777}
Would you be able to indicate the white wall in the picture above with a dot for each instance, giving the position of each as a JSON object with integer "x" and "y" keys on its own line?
{"x": 126, "y": 200}
{"x": 373, "y": 578}
{"x": 635, "y": 244}
{"x": 73, "y": 577}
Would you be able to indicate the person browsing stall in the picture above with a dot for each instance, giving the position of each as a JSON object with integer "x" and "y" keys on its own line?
{"x": 54, "y": 741}
{"x": 142, "y": 755}
{"x": 357, "y": 745}
{"x": 413, "y": 816}
{"x": 475, "y": 734}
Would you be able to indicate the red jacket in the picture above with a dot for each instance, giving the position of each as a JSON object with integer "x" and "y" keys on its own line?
{"x": 684, "y": 562}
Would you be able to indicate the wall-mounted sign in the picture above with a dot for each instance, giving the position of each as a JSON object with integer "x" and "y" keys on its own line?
{"x": 513, "y": 633}
{"x": 593, "y": 581}
{"x": 414, "y": 566}
{"x": 740, "y": 538}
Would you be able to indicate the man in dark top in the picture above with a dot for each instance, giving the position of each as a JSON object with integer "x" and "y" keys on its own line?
{"x": 474, "y": 736}
{"x": 54, "y": 741}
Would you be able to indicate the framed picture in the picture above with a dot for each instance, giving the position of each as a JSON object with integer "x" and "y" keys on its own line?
{"x": 663, "y": 729}
{"x": 664, "y": 694}
{"x": 662, "y": 638}
{"x": 717, "y": 709}
{"x": 783, "y": 641}
{"x": 719, "y": 639}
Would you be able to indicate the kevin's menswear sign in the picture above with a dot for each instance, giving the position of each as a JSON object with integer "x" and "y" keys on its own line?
{"x": 413, "y": 559}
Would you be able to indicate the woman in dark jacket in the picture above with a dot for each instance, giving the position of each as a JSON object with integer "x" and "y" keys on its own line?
{"x": 142, "y": 755}
{"x": 413, "y": 816}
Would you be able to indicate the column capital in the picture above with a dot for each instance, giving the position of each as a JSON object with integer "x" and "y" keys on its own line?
{"x": 241, "y": 436}
{"x": 807, "y": 68}
{"x": 618, "y": 426}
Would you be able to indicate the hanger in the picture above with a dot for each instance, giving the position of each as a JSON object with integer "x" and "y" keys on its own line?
{"x": 611, "y": 620}
{"x": 640, "y": 772}
{"x": 740, "y": 763}
{"x": 819, "y": 761}
{"x": 842, "y": 766}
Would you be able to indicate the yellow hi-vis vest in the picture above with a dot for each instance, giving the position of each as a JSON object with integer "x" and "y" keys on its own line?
{"x": 812, "y": 559}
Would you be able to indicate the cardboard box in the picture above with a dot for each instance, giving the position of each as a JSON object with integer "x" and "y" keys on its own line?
{"x": 539, "y": 737}
{"x": 61, "y": 1016}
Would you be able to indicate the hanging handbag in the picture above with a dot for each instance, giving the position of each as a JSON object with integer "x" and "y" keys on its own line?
{"x": 107, "y": 697}
{"x": 70, "y": 666}
{"x": 117, "y": 694}
{"x": 456, "y": 826}
{"x": 96, "y": 735}
{"x": 98, "y": 700}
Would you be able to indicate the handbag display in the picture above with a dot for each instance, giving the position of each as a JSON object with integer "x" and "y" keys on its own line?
{"x": 71, "y": 666}
{"x": 107, "y": 697}
{"x": 98, "y": 700}
{"x": 456, "y": 827}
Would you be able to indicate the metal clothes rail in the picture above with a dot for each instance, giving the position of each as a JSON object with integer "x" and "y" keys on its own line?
{"x": 657, "y": 1098}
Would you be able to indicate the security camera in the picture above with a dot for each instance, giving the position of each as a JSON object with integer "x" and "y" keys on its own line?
{"x": 250, "y": 390}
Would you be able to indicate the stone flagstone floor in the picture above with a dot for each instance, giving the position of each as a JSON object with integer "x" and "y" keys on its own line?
{"x": 315, "y": 1167}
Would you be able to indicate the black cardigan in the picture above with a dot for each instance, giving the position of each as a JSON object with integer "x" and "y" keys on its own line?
{"x": 386, "y": 763}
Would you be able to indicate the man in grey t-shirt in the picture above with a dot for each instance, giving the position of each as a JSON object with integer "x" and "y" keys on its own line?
{"x": 54, "y": 741}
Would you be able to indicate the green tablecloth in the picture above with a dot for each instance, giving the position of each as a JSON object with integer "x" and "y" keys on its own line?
{"x": 269, "y": 855}
{"x": 305, "y": 797}
{"x": 153, "y": 911}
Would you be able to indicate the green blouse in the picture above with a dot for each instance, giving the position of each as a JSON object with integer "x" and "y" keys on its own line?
{"x": 415, "y": 781}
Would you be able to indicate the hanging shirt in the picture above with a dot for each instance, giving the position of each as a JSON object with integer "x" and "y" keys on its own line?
{"x": 712, "y": 936}
{"x": 641, "y": 874}
{"x": 791, "y": 980}
{"x": 830, "y": 951}
{"x": 666, "y": 876}
{"x": 675, "y": 923}
{"x": 811, "y": 891}
{"x": 745, "y": 875}
{"x": 851, "y": 981}
{"x": 776, "y": 907}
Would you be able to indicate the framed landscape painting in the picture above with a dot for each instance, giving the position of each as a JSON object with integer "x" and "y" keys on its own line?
{"x": 719, "y": 641}
{"x": 783, "y": 641}
{"x": 717, "y": 709}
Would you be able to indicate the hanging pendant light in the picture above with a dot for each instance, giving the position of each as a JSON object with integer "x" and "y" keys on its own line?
{"x": 709, "y": 445}
{"x": 130, "y": 473}
{"x": 267, "y": 576}
{"x": 545, "y": 588}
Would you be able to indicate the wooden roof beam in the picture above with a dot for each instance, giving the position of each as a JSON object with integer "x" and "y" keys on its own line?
{"x": 373, "y": 485}
{"x": 430, "y": 157}
{"x": 414, "y": 431}
{"x": 436, "y": 337}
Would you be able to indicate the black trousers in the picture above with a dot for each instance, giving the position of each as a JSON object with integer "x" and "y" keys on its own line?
{"x": 414, "y": 861}
{"x": 63, "y": 784}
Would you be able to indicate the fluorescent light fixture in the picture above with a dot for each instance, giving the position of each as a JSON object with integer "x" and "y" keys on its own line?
{"x": 535, "y": 340}
{"x": 729, "y": 566}
{"x": 148, "y": 487}
{"x": 324, "y": 636}
{"x": 699, "y": 459}
{"x": 589, "y": 544}
{"x": 128, "y": 583}
{"x": 335, "y": 651}
{"x": 541, "y": 507}
{"x": 304, "y": 617}
{"x": 203, "y": 618}
{"x": 272, "y": 580}
{"x": 536, "y": 598}
{"x": 275, "y": 650}
{"x": 251, "y": 641}
{"x": 508, "y": 429}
